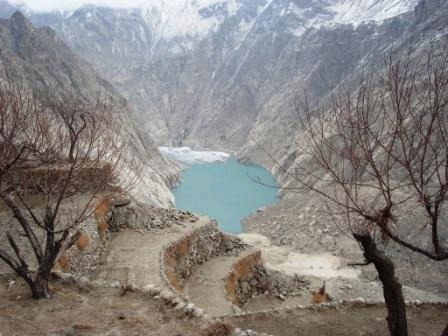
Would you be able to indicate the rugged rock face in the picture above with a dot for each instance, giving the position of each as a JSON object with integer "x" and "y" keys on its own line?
{"x": 413, "y": 32}
{"x": 224, "y": 74}
{"x": 37, "y": 57}
{"x": 227, "y": 77}
{"x": 230, "y": 72}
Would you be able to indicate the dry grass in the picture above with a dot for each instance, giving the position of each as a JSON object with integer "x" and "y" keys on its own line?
{"x": 83, "y": 241}
{"x": 218, "y": 329}
{"x": 63, "y": 264}
{"x": 102, "y": 207}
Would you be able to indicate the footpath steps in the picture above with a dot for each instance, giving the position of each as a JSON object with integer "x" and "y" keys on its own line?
{"x": 134, "y": 255}
{"x": 206, "y": 286}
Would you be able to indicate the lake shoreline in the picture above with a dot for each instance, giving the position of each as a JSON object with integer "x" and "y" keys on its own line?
{"x": 220, "y": 186}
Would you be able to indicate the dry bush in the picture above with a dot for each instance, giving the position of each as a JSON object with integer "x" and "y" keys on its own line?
{"x": 63, "y": 264}
{"x": 83, "y": 241}
{"x": 218, "y": 329}
{"x": 102, "y": 207}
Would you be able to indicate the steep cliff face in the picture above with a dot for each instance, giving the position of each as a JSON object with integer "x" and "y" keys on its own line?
{"x": 40, "y": 59}
{"x": 212, "y": 72}
{"x": 224, "y": 74}
{"x": 412, "y": 33}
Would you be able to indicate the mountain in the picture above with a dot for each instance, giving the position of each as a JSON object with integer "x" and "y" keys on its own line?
{"x": 224, "y": 74}
{"x": 204, "y": 72}
{"x": 40, "y": 59}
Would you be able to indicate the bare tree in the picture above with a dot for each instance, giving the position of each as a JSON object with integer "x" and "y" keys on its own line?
{"x": 52, "y": 167}
{"x": 385, "y": 146}
{"x": 73, "y": 115}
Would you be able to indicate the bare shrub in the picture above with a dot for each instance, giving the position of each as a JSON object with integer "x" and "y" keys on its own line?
{"x": 218, "y": 329}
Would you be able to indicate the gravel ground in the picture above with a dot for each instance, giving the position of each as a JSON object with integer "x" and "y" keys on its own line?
{"x": 304, "y": 226}
{"x": 348, "y": 321}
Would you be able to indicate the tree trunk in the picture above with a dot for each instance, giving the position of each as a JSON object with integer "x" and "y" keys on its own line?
{"x": 71, "y": 151}
{"x": 393, "y": 294}
{"x": 445, "y": 332}
{"x": 39, "y": 287}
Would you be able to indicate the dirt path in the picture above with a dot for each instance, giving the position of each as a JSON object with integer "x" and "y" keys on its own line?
{"x": 98, "y": 313}
{"x": 206, "y": 285}
{"x": 354, "y": 321}
{"x": 106, "y": 312}
{"x": 134, "y": 256}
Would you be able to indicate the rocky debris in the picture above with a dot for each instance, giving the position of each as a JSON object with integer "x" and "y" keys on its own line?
{"x": 151, "y": 290}
{"x": 305, "y": 224}
{"x": 115, "y": 284}
{"x": 372, "y": 291}
{"x": 268, "y": 282}
{"x": 134, "y": 215}
{"x": 167, "y": 295}
{"x": 256, "y": 284}
{"x": 232, "y": 245}
{"x": 85, "y": 261}
{"x": 239, "y": 332}
{"x": 282, "y": 285}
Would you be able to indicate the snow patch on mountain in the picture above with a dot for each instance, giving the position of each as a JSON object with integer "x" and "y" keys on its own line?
{"x": 330, "y": 13}
{"x": 195, "y": 19}
{"x": 188, "y": 18}
{"x": 356, "y": 11}
{"x": 191, "y": 156}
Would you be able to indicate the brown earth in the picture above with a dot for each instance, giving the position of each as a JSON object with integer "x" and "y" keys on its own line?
{"x": 347, "y": 321}
{"x": 106, "y": 311}
{"x": 99, "y": 312}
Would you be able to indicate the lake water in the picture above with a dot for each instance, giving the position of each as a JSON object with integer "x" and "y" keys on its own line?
{"x": 216, "y": 185}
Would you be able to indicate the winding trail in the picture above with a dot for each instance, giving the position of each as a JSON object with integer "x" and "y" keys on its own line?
{"x": 206, "y": 286}
{"x": 134, "y": 256}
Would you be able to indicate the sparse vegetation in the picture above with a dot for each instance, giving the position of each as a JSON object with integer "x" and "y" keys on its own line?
{"x": 50, "y": 176}
{"x": 369, "y": 153}
{"x": 218, "y": 329}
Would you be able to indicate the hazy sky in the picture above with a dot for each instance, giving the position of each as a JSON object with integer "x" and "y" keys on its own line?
{"x": 45, "y": 5}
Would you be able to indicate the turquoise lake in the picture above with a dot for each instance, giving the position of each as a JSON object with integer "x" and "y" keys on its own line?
{"x": 225, "y": 191}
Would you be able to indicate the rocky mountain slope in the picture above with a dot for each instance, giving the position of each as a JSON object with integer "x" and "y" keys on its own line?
{"x": 40, "y": 59}
{"x": 211, "y": 72}
{"x": 224, "y": 74}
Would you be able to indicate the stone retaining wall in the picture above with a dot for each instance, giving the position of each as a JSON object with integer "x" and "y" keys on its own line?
{"x": 134, "y": 215}
{"x": 179, "y": 259}
{"x": 248, "y": 277}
